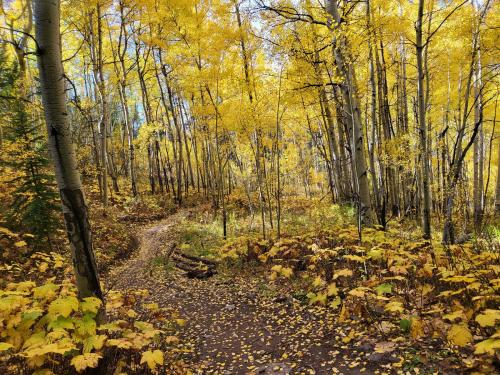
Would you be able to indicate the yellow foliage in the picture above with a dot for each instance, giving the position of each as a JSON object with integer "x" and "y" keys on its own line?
{"x": 64, "y": 306}
{"x": 488, "y": 318}
{"x": 152, "y": 358}
{"x": 459, "y": 334}
{"x": 86, "y": 360}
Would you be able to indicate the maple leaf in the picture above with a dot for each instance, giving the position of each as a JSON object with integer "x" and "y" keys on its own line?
{"x": 45, "y": 291}
{"x": 394, "y": 306}
{"x": 384, "y": 288}
{"x": 318, "y": 281}
{"x": 64, "y": 306}
{"x": 488, "y": 318}
{"x": 417, "y": 328}
{"x": 90, "y": 305}
{"x": 93, "y": 342}
{"x": 488, "y": 346}
{"x": 152, "y": 358}
{"x": 86, "y": 360}
{"x": 332, "y": 290}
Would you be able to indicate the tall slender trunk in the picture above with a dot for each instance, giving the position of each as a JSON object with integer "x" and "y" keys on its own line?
{"x": 424, "y": 152}
{"x": 47, "y": 18}
{"x": 478, "y": 150}
{"x": 351, "y": 107}
{"x": 104, "y": 120}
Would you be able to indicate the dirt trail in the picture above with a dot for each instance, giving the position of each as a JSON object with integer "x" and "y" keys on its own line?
{"x": 233, "y": 325}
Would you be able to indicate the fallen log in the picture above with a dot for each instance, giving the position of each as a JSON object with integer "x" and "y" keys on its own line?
{"x": 194, "y": 272}
{"x": 206, "y": 261}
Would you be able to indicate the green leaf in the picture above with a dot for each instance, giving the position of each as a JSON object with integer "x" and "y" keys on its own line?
{"x": 90, "y": 305}
{"x": 384, "y": 288}
{"x": 61, "y": 322}
{"x": 86, "y": 326}
{"x": 31, "y": 314}
{"x": 405, "y": 325}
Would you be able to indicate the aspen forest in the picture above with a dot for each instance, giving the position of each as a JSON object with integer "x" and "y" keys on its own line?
{"x": 249, "y": 187}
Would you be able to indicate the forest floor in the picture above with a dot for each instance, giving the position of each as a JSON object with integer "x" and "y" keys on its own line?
{"x": 236, "y": 323}
{"x": 232, "y": 325}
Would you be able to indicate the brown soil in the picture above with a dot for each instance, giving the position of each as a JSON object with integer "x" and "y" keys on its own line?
{"x": 235, "y": 325}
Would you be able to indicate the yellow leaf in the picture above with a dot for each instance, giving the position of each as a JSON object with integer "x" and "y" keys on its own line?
{"x": 335, "y": 303}
{"x": 287, "y": 272}
{"x": 42, "y": 267}
{"x": 343, "y": 272}
{"x": 277, "y": 268}
{"x": 81, "y": 362}
{"x": 7, "y": 232}
{"x": 20, "y": 244}
{"x": 459, "y": 334}
{"x": 454, "y": 315}
{"x": 180, "y": 322}
{"x": 358, "y": 292}
{"x": 43, "y": 371}
{"x": 376, "y": 254}
{"x": 151, "y": 306}
{"x": 171, "y": 340}
{"x": 64, "y": 306}
{"x": 488, "y": 318}
{"x": 426, "y": 289}
{"x": 152, "y": 358}
{"x": 5, "y": 346}
{"x": 417, "y": 328}
{"x": 45, "y": 291}
{"x": 318, "y": 281}
{"x": 349, "y": 337}
{"x": 394, "y": 306}
{"x": 487, "y": 346}
{"x": 93, "y": 342}
{"x": 332, "y": 290}
{"x": 119, "y": 343}
{"x": 90, "y": 305}
{"x": 343, "y": 314}
{"x": 354, "y": 258}
{"x": 460, "y": 279}
{"x": 385, "y": 347}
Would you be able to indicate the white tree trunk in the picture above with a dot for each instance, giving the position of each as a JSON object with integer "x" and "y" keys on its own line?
{"x": 351, "y": 104}
{"x": 47, "y": 18}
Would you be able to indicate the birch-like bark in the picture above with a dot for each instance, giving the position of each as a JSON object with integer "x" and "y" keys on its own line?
{"x": 47, "y": 18}
{"x": 351, "y": 106}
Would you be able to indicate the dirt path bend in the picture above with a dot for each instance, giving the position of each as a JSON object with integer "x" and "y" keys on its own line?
{"x": 234, "y": 325}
